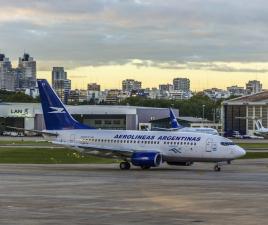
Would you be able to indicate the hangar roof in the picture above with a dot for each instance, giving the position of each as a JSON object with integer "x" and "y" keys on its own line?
{"x": 31, "y": 109}
{"x": 189, "y": 119}
{"x": 258, "y": 98}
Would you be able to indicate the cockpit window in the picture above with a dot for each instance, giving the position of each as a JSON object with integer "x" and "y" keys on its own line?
{"x": 227, "y": 143}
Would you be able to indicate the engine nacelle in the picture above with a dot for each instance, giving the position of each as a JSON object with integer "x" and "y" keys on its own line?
{"x": 149, "y": 159}
{"x": 180, "y": 163}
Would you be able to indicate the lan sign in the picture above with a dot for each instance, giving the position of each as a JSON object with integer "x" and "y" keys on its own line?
{"x": 20, "y": 112}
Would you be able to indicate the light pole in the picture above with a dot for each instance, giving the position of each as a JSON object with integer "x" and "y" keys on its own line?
{"x": 203, "y": 106}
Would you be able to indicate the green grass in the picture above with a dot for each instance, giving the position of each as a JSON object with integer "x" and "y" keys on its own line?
{"x": 47, "y": 156}
{"x": 253, "y": 145}
{"x": 255, "y": 155}
{"x": 19, "y": 142}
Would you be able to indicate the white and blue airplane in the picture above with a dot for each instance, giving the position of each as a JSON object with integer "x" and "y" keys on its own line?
{"x": 176, "y": 126}
{"x": 144, "y": 149}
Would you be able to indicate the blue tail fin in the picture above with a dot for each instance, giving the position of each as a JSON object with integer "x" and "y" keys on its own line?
{"x": 173, "y": 120}
{"x": 55, "y": 114}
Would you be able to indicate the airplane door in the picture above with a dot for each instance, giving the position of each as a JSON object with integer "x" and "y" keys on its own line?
{"x": 209, "y": 145}
{"x": 72, "y": 138}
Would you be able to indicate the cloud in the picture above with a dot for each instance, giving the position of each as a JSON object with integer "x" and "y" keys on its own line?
{"x": 209, "y": 66}
{"x": 167, "y": 33}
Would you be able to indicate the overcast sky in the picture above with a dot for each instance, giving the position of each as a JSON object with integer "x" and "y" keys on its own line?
{"x": 103, "y": 31}
{"x": 166, "y": 34}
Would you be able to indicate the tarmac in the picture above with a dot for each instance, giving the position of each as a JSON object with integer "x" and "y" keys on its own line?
{"x": 103, "y": 194}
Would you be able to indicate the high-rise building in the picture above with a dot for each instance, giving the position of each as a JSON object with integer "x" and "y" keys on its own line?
{"x": 253, "y": 87}
{"x": 181, "y": 84}
{"x": 93, "y": 93}
{"x": 112, "y": 96}
{"x": 27, "y": 73}
{"x": 165, "y": 87}
{"x": 236, "y": 91}
{"x": 74, "y": 96}
{"x": 93, "y": 87}
{"x": 60, "y": 83}
{"x": 67, "y": 90}
{"x": 131, "y": 85}
{"x": 7, "y": 78}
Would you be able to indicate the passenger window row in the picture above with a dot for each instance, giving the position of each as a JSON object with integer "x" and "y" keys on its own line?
{"x": 119, "y": 141}
{"x": 180, "y": 143}
{"x": 84, "y": 141}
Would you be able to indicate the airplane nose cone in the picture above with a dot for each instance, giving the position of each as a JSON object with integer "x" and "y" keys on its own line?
{"x": 240, "y": 152}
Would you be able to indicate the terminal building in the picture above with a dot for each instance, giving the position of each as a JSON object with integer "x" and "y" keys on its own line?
{"x": 240, "y": 114}
{"x": 30, "y": 116}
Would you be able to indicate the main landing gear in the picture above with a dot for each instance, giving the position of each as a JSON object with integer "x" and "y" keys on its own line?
{"x": 145, "y": 167}
{"x": 217, "y": 167}
{"x": 124, "y": 165}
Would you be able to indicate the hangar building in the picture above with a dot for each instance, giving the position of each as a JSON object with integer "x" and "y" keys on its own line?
{"x": 240, "y": 114}
{"x": 30, "y": 116}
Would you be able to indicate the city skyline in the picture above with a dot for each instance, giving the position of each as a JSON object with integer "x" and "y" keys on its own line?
{"x": 210, "y": 42}
{"x": 89, "y": 79}
{"x": 102, "y": 77}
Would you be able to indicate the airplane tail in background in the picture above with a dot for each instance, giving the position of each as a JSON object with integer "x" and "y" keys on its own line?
{"x": 173, "y": 120}
{"x": 259, "y": 125}
{"x": 55, "y": 114}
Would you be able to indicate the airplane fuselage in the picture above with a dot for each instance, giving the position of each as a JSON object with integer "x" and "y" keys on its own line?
{"x": 173, "y": 146}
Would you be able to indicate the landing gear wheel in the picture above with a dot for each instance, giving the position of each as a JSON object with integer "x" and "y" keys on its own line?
{"x": 124, "y": 165}
{"x": 145, "y": 167}
{"x": 217, "y": 168}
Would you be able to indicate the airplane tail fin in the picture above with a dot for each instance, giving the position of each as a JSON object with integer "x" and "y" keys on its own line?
{"x": 55, "y": 114}
{"x": 259, "y": 124}
{"x": 173, "y": 120}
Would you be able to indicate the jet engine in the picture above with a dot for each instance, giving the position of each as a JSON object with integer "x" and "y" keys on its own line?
{"x": 146, "y": 159}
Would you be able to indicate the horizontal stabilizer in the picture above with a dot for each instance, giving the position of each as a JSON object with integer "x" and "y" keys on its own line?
{"x": 33, "y": 131}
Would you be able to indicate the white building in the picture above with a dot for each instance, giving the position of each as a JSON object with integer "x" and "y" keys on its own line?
{"x": 29, "y": 115}
{"x": 94, "y": 96}
{"x": 154, "y": 93}
{"x": 33, "y": 92}
{"x": 253, "y": 87}
{"x": 60, "y": 83}
{"x": 215, "y": 93}
{"x": 27, "y": 65}
{"x": 7, "y": 78}
{"x": 131, "y": 85}
{"x": 181, "y": 84}
{"x": 180, "y": 95}
{"x": 236, "y": 91}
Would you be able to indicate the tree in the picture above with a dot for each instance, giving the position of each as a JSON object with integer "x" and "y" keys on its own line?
{"x": 191, "y": 107}
{"x": 9, "y": 96}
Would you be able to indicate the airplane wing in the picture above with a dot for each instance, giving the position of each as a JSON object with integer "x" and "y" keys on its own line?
{"x": 165, "y": 129}
{"x": 105, "y": 151}
{"x": 33, "y": 131}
